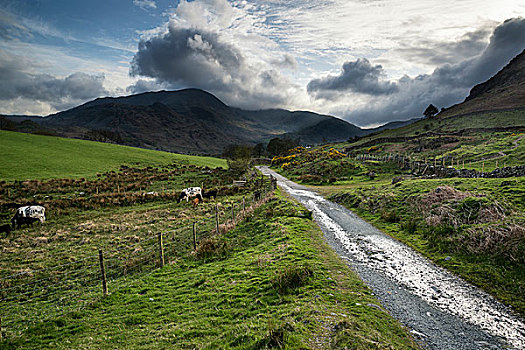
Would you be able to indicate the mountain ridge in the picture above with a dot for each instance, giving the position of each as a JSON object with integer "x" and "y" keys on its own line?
{"x": 192, "y": 121}
{"x": 503, "y": 91}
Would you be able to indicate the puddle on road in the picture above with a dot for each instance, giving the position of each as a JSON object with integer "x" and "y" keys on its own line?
{"x": 399, "y": 263}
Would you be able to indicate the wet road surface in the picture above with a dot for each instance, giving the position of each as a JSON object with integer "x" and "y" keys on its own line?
{"x": 441, "y": 310}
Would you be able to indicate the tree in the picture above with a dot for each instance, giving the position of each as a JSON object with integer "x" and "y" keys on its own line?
{"x": 259, "y": 150}
{"x": 237, "y": 152}
{"x": 430, "y": 111}
{"x": 278, "y": 146}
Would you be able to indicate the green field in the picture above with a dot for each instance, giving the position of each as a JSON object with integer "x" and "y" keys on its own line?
{"x": 267, "y": 281}
{"x": 26, "y": 156}
{"x": 272, "y": 282}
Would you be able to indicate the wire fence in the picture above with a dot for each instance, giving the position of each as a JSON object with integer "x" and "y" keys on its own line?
{"x": 33, "y": 296}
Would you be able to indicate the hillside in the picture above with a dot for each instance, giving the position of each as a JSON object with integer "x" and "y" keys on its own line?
{"x": 188, "y": 121}
{"x": 267, "y": 280}
{"x": 26, "y": 156}
{"x": 451, "y": 186}
{"x": 505, "y": 90}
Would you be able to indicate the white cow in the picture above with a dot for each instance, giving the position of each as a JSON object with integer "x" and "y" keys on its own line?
{"x": 28, "y": 215}
{"x": 190, "y": 192}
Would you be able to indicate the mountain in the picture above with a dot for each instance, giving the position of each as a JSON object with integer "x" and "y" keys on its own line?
{"x": 190, "y": 121}
{"x": 505, "y": 90}
{"x": 328, "y": 130}
{"x": 390, "y": 125}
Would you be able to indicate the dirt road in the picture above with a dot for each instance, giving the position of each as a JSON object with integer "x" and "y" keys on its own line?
{"x": 441, "y": 310}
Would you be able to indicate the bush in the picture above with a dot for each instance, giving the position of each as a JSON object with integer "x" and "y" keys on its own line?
{"x": 210, "y": 248}
{"x": 390, "y": 216}
{"x": 410, "y": 226}
{"x": 238, "y": 167}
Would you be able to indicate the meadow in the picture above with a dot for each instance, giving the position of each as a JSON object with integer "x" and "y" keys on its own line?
{"x": 267, "y": 280}
{"x": 38, "y": 157}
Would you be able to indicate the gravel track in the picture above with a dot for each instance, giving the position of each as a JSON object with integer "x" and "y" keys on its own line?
{"x": 441, "y": 310}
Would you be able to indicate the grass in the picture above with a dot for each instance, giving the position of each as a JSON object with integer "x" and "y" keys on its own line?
{"x": 27, "y": 156}
{"x": 482, "y": 230}
{"x": 494, "y": 263}
{"x": 278, "y": 285}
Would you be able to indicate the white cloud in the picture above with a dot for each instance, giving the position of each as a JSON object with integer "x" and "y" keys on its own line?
{"x": 145, "y": 4}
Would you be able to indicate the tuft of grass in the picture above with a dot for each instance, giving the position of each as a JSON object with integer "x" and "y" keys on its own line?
{"x": 292, "y": 278}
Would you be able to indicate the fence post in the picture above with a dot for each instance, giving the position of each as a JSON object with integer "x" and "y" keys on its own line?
{"x": 161, "y": 250}
{"x": 1, "y": 328}
{"x": 217, "y": 218}
{"x": 194, "y": 236}
{"x": 103, "y": 273}
{"x": 243, "y": 205}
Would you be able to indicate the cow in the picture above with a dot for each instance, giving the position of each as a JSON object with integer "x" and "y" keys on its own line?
{"x": 197, "y": 200}
{"x": 209, "y": 194}
{"x": 190, "y": 192}
{"x": 28, "y": 215}
{"x": 5, "y": 228}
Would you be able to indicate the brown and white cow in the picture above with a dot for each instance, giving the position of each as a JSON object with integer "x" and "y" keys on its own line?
{"x": 189, "y": 193}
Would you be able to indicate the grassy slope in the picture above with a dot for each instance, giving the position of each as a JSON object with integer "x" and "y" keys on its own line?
{"x": 26, "y": 156}
{"x": 499, "y": 275}
{"x": 232, "y": 300}
{"x": 452, "y": 124}
{"x": 496, "y": 269}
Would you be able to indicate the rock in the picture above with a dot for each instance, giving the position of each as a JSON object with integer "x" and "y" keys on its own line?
{"x": 374, "y": 306}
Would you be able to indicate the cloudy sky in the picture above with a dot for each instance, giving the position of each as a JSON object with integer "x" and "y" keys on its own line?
{"x": 366, "y": 61}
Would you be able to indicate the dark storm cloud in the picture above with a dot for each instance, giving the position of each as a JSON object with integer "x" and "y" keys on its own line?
{"x": 448, "y": 84}
{"x": 188, "y": 56}
{"x": 193, "y": 57}
{"x": 469, "y": 45}
{"x": 16, "y": 83}
{"x": 358, "y": 76}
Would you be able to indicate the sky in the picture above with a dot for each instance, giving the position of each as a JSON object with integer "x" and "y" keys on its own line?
{"x": 365, "y": 61}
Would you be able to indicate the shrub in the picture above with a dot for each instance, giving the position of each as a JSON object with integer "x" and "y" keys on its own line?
{"x": 410, "y": 225}
{"x": 390, "y": 215}
{"x": 210, "y": 247}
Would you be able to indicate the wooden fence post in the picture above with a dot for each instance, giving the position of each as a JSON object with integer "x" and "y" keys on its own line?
{"x": 217, "y": 218}
{"x": 194, "y": 236}
{"x": 243, "y": 205}
{"x": 161, "y": 250}
{"x": 483, "y": 167}
{"x": 103, "y": 273}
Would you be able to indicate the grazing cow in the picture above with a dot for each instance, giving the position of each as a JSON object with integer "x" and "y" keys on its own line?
{"x": 197, "y": 200}
{"x": 28, "y": 215}
{"x": 5, "y": 228}
{"x": 210, "y": 194}
{"x": 190, "y": 192}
